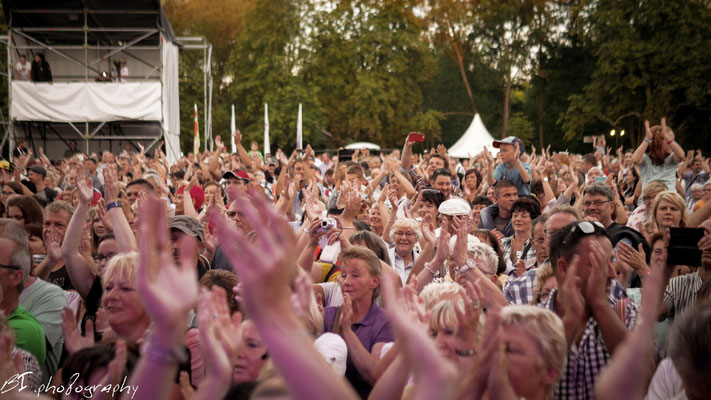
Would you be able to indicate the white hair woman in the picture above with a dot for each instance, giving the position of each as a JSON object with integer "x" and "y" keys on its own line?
{"x": 405, "y": 233}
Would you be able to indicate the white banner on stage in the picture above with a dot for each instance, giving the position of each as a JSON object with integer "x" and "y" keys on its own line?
{"x": 86, "y": 101}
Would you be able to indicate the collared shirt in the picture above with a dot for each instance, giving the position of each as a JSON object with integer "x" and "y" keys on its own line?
{"x": 372, "y": 329}
{"x": 588, "y": 357}
{"x": 530, "y": 256}
{"x": 398, "y": 263}
{"x": 520, "y": 290}
{"x": 681, "y": 293}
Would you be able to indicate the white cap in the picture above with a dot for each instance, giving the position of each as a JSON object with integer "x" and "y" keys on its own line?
{"x": 454, "y": 206}
{"x": 333, "y": 348}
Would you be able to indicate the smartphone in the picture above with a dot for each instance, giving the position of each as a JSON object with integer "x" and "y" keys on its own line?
{"x": 345, "y": 155}
{"x": 416, "y": 137}
{"x": 600, "y": 179}
{"x": 684, "y": 246}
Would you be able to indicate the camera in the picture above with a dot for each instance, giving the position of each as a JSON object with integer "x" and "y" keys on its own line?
{"x": 327, "y": 224}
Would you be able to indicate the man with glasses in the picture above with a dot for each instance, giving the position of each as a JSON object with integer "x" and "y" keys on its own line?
{"x": 14, "y": 271}
{"x": 581, "y": 257}
{"x": 599, "y": 205}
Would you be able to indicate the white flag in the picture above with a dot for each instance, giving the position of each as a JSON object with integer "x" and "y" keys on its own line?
{"x": 196, "y": 137}
{"x": 233, "y": 128}
{"x": 267, "y": 150}
{"x": 299, "y": 132}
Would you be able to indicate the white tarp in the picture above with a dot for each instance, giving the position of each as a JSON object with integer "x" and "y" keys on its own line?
{"x": 473, "y": 141}
{"x": 363, "y": 145}
{"x": 171, "y": 108}
{"x": 86, "y": 101}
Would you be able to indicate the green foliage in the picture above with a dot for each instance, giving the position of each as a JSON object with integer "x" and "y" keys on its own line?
{"x": 652, "y": 60}
{"x": 521, "y": 127}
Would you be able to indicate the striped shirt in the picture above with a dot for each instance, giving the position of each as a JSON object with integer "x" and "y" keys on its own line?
{"x": 681, "y": 293}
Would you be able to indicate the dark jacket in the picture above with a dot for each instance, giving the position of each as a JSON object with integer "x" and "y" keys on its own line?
{"x": 41, "y": 72}
{"x": 486, "y": 220}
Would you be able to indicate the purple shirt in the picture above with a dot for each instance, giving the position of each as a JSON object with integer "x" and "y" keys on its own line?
{"x": 372, "y": 329}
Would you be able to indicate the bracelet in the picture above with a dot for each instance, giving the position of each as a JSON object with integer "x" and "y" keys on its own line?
{"x": 434, "y": 274}
{"x": 465, "y": 353}
{"x": 162, "y": 353}
{"x": 647, "y": 141}
{"x": 113, "y": 204}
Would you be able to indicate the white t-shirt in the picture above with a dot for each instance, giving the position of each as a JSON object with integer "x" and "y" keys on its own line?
{"x": 666, "y": 383}
{"x": 23, "y": 70}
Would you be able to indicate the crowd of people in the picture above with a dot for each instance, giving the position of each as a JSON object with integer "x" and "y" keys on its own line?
{"x": 521, "y": 274}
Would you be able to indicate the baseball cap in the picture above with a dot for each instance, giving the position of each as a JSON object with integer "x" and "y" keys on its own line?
{"x": 38, "y": 169}
{"x": 239, "y": 173}
{"x": 272, "y": 161}
{"x": 510, "y": 140}
{"x": 333, "y": 348}
{"x": 196, "y": 193}
{"x": 188, "y": 225}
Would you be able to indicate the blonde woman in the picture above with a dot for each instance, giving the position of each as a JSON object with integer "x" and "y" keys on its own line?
{"x": 668, "y": 211}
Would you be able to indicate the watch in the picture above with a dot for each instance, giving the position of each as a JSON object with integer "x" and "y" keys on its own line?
{"x": 113, "y": 204}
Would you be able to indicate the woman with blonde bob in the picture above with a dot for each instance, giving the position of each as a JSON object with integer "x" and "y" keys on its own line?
{"x": 536, "y": 350}
{"x": 668, "y": 211}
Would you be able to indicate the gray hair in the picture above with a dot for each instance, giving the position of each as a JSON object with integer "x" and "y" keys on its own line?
{"x": 689, "y": 347}
{"x": 20, "y": 255}
{"x": 697, "y": 186}
{"x": 601, "y": 189}
{"x": 488, "y": 253}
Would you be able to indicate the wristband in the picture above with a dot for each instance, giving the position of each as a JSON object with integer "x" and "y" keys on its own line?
{"x": 113, "y": 204}
{"x": 647, "y": 141}
{"x": 434, "y": 274}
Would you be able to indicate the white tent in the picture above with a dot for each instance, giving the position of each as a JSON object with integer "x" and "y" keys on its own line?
{"x": 473, "y": 141}
{"x": 363, "y": 145}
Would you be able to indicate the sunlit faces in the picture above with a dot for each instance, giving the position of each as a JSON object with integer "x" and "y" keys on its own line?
{"x": 539, "y": 243}
{"x": 107, "y": 249}
{"x": 36, "y": 244}
{"x": 527, "y": 373}
{"x": 15, "y": 213}
{"x": 122, "y": 304}
{"x": 507, "y": 196}
{"x": 252, "y": 355}
{"x": 405, "y": 240}
{"x": 428, "y": 208}
{"x": 376, "y": 220}
{"x": 507, "y": 152}
{"x": 521, "y": 220}
{"x": 443, "y": 183}
{"x": 356, "y": 280}
{"x": 668, "y": 214}
{"x": 598, "y": 207}
{"x": 471, "y": 181}
{"x": 57, "y": 220}
{"x": 476, "y": 210}
{"x": 98, "y": 226}
{"x": 556, "y": 222}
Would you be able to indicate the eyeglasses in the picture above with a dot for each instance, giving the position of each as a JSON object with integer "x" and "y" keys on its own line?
{"x": 596, "y": 203}
{"x": 550, "y": 232}
{"x": 10, "y": 267}
{"x": 101, "y": 257}
{"x": 582, "y": 228}
{"x": 408, "y": 234}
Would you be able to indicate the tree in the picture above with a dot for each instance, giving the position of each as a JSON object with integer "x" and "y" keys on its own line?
{"x": 651, "y": 60}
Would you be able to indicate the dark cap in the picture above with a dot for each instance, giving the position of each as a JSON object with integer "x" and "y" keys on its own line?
{"x": 188, "y": 225}
{"x": 511, "y": 140}
{"x": 38, "y": 169}
{"x": 236, "y": 174}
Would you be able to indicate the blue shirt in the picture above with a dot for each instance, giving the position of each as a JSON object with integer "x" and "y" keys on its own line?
{"x": 502, "y": 172}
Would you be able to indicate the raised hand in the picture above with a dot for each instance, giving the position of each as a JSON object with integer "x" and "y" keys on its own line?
{"x": 85, "y": 190}
{"x": 73, "y": 340}
{"x": 111, "y": 184}
{"x": 53, "y": 240}
{"x": 648, "y": 131}
{"x": 264, "y": 264}
{"x": 667, "y": 131}
{"x": 346, "y": 320}
{"x": 168, "y": 291}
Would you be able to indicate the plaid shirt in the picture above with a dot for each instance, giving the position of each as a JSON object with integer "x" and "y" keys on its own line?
{"x": 588, "y": 357}
{"x": 520, "y": 290}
